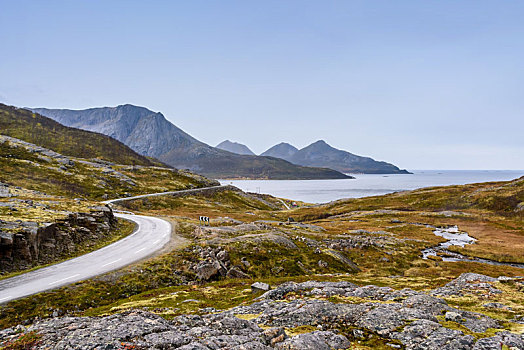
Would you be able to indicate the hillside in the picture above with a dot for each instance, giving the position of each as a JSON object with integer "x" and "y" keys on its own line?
{"x": 34, "y": 128}
{"x": 151, "y": 134}
{"x": 346, "y": 273}
{"x": 320, "y": 154}
{"x": 235, "y": 147}
{"x": 282, "y": 150}
{"x": 36, "y": 168}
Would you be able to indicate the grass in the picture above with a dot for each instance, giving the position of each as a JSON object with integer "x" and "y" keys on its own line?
{"x": 34, "y": 128}
{"x": 25, "y": 169}
{"x": 165, "y": 284}
{"x": 490, "y": 210}
{"x": 490, "y": 332}
{"x": 233, "y": 204}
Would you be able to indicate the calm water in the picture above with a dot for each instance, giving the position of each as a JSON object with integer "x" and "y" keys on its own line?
{"x": 321, "y": 191}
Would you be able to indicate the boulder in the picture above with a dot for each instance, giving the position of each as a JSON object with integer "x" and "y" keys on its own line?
{"x": 4, "y": 191}
{"x": 235, "y": 272}
{"x": 453, "y": 316}
{"x": 223, "y": 255}
{"x": 317, "y": 340}
{"x": 259, "y": 287}
{"x": 206, "y": 270}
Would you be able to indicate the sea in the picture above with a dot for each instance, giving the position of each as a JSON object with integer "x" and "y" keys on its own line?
{"x": 365, "y": 185}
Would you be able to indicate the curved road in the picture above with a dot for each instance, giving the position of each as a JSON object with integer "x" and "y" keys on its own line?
{"x": 151, "y": 235}
{"x": 194, "y": 190}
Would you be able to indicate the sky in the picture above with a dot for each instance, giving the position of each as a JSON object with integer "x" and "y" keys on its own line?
{"x": 421, "y": 84}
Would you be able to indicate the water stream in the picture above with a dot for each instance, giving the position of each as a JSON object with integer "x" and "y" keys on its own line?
{"x": 455, "y": 237}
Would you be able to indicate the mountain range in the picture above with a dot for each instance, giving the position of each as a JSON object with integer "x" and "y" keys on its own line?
{"x": 320, "y": 154}
{"x": 151, "y": 134}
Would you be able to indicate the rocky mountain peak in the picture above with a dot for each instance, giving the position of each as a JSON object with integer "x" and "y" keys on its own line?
{"x": 235, "y": 147}
{"x": 282, "y": 150}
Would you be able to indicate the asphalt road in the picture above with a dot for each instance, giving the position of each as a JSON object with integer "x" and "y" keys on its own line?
{"x": 195, "y": 190}
{"x": 150, "y": 236}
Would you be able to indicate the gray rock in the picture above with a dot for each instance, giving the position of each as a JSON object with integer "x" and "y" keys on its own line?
{"x": 424, "y": 334}
{"x": 510, "y": 340}
{"x": 479, "y": 323}
{"x": 273, "y": 336}
{"x": 235, "y": 272}
{"x": 31, "y": 243}
{"x": 382, "y": 320}
{"x": 207, "y": 270}
{"x": 4, "y": 191}
{"x": 497, "y": 306}
{"x": 410, "y": 322}
{"x": 167, "y": 339}
{"x": 223, "y": 255}
{"x": 453, "y": 316}
{"x": 254, "y": 345}
{"x": 322, "y": 263}
{"x": 317, "y": 340}
{"x": 468, "y": 282}
{"x": 259, "y": 287}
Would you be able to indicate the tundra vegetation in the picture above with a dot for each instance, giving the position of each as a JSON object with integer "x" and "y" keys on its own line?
{"x": 326, "y": 263}
{"x": 344, "y": 274}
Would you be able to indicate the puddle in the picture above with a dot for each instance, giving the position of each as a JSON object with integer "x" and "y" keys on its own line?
{"x": 455, "y": 237}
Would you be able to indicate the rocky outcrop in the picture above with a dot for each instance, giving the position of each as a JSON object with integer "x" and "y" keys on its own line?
{"x": 144, "y": 330}
{"x": 4, "y": 191}
{"x": 24, "y": 244}
{"x": 214, "y": 263}
{"x": 468, "y": 283}
{"x": 406, "y": 318}
{"x": 292, "y": 316}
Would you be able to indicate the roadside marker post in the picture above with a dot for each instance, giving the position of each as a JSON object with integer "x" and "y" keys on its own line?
{"x": 205, "y": 220}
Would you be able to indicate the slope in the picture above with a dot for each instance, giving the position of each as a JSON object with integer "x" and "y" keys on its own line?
{"x": 34, "y": 128}
{"x": 36, "y": 168}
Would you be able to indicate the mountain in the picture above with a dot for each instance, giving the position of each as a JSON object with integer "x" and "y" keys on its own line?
{"x": 146, "y": 132}
{"x": 235, "y": 147}
{"x": 320, "y": 154}
{"x": 34, "y": 128}
{"x": 282, "y": 150}
{"x": 151, "y": 134}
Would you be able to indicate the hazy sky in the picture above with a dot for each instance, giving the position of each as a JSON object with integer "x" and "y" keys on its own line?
{"x": 422, "y": 84}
